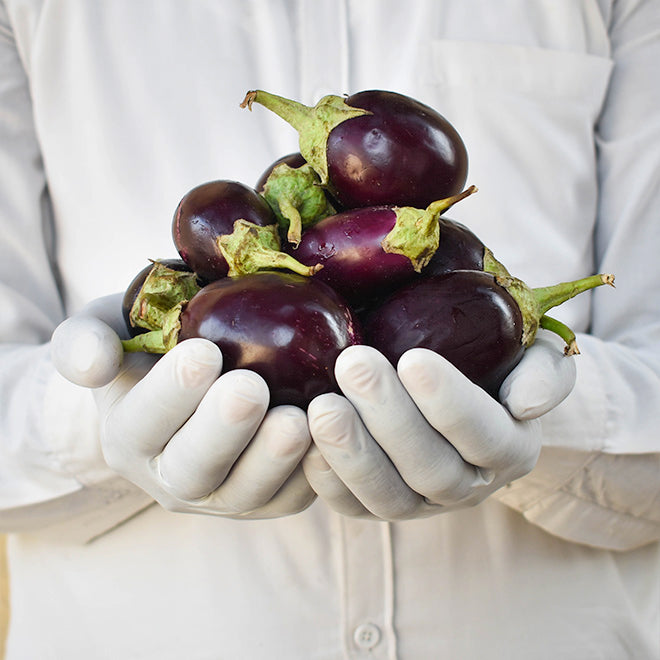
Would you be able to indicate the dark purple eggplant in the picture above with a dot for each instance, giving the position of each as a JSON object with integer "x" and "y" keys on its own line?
{"x": 292, "y": 189}
{"x": 367, "y": 252}
{"x": 459, "y": 248}
{"x": 288, "y": 328}
{"x": 480, "y": 322}
{"x": 208, "y": 212}
{"x": 465, "y": 316}
{"x": 348, "y": 246}
{"x": 375, "y": 147}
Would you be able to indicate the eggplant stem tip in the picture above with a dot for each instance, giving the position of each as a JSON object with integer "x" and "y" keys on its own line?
{"x": 249, "y": 98}
{"x": 571, "y": 349}
{"x": 608, "y": 278}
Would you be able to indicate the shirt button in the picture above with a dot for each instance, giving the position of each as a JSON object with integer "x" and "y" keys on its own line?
{"x": 366, "y": 635}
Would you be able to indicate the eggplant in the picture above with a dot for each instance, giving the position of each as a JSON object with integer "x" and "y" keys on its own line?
{"x": 225, "y": 228}
{"x": 208, "y": 212}
{"x": 465, "y": 316}
{"x": 292, "y": 189}
{"x": 348, "y": 246}
{"x": 365, "y": 253}
{"x": 286, "y": 327}
{"x": 480, "y": 322}
{"x": 375, "y": 147}
{"x": 459, "y": 248}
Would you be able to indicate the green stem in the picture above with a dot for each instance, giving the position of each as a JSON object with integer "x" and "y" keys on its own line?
{"x": 312, "y": 123}
{"x": 293, "y": 112}
{"x": 148, "y": 342}
{"x": 534, "y": 303}
{"x": 563, "y": 331}
{"x": 551, "y": 296}
{"x": 291, "y": 213}
{"x": 441, "y": 205}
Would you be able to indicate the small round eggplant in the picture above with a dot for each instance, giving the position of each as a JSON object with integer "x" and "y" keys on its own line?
{"x": 288, "y": 328}
{"x": 482, "y": 323}
{"x": 208, "y": 212}
{"x": 367, "y": 252}
{"x": 375, "y": 147}
{"x": 465, "y": 316}
{"x": 349, "y": 247}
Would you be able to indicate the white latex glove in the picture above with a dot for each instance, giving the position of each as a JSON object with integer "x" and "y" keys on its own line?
{"x": 428, "y": 440}
{"x": 192, "y": 439}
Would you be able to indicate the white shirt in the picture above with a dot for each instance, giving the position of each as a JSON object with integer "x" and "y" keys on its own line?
{"x": 110, "y": 112}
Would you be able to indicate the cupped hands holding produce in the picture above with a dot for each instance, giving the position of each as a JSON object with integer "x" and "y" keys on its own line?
{"x": 337, "y": 274}
{"x": 195, "y": 440}
{"x": 423, "y": 439}
{"x": 200, "y": 443}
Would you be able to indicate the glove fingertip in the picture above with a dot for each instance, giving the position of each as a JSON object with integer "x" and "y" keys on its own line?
{"x": 528, "y": 398}
{"x": 86, "y": 351}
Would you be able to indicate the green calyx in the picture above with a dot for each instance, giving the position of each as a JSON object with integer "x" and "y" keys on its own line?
{"x": 296, "y": 198}
{"x": 416, "y": 232}
{"x": 313, "y": 123}
{"x": 250, "y": 248}
{"x": 157, "y": 308}
{"x": 535, "y": 302}
{"x": 162, "y": 289}
{"x": 161, "y": 340}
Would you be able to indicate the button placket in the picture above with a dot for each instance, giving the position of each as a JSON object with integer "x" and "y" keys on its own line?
{"x": 367, "y": 589}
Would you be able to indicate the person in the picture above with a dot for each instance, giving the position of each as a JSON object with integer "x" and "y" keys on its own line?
{"x": 155, "y": 508}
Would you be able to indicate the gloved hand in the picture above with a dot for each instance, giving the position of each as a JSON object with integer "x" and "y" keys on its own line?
{"x": 194, "y": 440}
{"x": 427, "y": 440}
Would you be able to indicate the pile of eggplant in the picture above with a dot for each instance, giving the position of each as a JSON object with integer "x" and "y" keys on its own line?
{"x": 342, "y": 243}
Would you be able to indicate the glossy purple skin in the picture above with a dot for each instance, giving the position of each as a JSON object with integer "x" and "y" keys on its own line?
{"x": 459, "y": 249}
{"x": 294, "y": 160}
{"x": 209, "y": 211}
{"x": 288, "y": 328}
{"x": 348, "y": 245}
{"x": 134, "y": 287}
{"x": 463, "y": 315}
{"x": 404, "y": 154}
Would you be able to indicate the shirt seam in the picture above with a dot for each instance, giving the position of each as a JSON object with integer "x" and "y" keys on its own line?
{"x": 602, "y": 507}
{"x": 557, "y": 488}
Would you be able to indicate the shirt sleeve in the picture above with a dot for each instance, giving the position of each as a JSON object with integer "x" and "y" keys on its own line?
{"x": 598, "y": 479}
{"x": 51, "y": 468}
